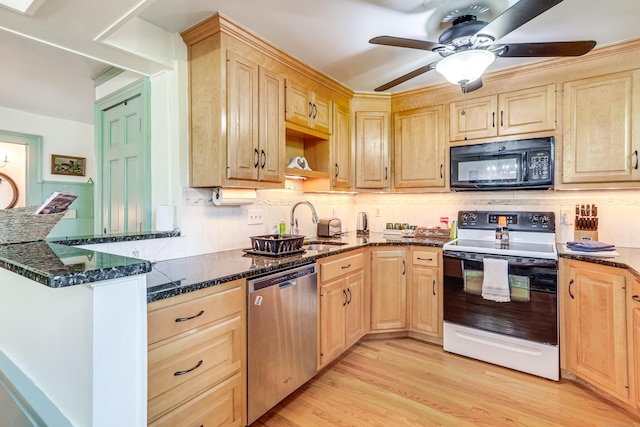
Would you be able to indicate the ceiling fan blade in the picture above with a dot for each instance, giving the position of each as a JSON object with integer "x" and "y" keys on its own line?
{"x": 518, "y": 14}
{"x": 470, "y": 87}
{"x": 408, "y": 76}
{"x": 401, "y": 42}
{"x": 545, "y": 49}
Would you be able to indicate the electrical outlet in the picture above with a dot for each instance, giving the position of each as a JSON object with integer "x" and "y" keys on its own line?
{"x": 255, "y": 216}
{"x": 134, "y": 253}
{"x": 378, "y": 213}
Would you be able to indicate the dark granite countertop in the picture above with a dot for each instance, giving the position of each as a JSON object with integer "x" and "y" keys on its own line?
{"x": 57, "y": 266}
{"x": 174, "y": 277}
{"x": 629, "y": 258}
{"x": 112, "y": 238}
{"x": 57, "y": 263}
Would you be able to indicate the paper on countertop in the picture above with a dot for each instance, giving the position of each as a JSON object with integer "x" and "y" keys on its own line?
{"x": 599, "y": 254}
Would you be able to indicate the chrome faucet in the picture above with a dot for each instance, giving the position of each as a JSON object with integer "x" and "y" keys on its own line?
{"x": 294, "y": 222}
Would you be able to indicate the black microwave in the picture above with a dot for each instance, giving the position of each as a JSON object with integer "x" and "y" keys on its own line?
{"x": 525, "y": 164}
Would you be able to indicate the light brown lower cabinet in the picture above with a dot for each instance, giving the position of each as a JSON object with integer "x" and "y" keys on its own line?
{"x": 634, "y": 322}
{"x": 197, "y": 357}
{"x": 342, "y": 304}
{"x": 594, "y": 325}
{"x": 388, "y": 289}
{"x": 426, "y": 292}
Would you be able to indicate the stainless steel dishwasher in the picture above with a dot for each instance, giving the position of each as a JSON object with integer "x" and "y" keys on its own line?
{"x": 282, "y": 336}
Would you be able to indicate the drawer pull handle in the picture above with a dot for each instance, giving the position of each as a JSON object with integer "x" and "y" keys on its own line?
{"x": 635, "y": 298}
{"x": 345, "y": 266}
{"x": 175, "y": 374}
{"x": 425, "y": 259}
{"x": 184, "y": 319}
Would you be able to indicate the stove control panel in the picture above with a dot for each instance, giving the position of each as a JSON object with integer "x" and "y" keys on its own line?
{"x": 518, "y": 221}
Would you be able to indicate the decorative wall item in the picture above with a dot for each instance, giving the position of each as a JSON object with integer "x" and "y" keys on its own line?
{"x": 68, "y": 165}
{"x": 8, "y": 192}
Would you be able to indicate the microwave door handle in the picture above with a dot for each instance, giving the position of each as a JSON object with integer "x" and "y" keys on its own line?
{"x": 525, "y": 166}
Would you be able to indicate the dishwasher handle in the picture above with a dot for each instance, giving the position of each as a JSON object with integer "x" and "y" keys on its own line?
{"x": 281, "y": 277}
{"x": 288, "y": 284}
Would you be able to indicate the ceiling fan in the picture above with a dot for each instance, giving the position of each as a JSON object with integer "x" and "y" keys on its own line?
{"x": 468, "y": 48}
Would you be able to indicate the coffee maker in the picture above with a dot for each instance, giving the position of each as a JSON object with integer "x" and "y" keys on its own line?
{"x": 362, "y": 226}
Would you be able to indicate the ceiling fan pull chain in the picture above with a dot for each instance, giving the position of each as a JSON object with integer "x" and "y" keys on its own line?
{"x": 463, "y": 112}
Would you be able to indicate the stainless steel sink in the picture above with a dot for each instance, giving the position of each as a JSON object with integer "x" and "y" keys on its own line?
{"x": 321, "y": 245}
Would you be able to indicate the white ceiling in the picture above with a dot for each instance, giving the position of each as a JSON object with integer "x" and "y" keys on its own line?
{"x": 50, "y": 57}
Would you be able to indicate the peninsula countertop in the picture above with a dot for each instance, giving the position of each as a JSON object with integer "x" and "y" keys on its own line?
{"x": 58, "y": 263}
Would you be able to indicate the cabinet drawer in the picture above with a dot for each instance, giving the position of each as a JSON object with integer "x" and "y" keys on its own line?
{"x": 329, "y": 270}
{"x": 183, "y": 368}
{"x": 203, "y": 307}
{"x": 220, "y": 405}
{"x": 426, "y": 258}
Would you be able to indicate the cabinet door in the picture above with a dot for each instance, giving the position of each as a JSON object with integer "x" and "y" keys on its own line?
{"x": 388, "y": 289}
{"x": 354, "y": 310}
{"x": 635, "y": 337}
{"x": 341, "y": 148}
{"x": 333, "y": 299}
{"x": 298, "y": 104}
{"x": 473, "y": 118}
{"x": 320, "y": 114}
{"x": 528, "y": 110}
{"x": 636, "y": 350}
{"x": 243, "y": 155}
{"x": 598, "y": 125}
{"x": 272, "y": 132}
{"x": 425, "y": 296}
{"x": 420, "y": 148}
{"x": 372, "y": 149}
{"x": 597, "y": 347}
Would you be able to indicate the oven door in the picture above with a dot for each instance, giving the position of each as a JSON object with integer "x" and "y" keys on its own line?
{"x": 532, "y": 313}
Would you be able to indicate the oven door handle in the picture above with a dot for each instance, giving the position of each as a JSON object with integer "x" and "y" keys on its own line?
{"x": 511, "y": 260}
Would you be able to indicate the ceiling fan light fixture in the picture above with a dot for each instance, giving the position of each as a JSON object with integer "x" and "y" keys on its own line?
{"x": 466, "y": 66}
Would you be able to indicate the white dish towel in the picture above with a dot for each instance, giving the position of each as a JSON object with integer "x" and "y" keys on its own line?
{"x": 495, "y": 285}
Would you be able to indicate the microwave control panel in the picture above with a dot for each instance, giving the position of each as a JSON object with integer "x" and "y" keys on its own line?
{"x": 539, "y": 165}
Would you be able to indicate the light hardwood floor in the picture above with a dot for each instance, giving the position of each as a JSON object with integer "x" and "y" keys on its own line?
{"x": 404, "y": 382}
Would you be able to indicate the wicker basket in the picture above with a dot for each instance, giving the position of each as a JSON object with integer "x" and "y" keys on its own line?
{"x": 277, "y": 243}
{"x": 20, "y": 225}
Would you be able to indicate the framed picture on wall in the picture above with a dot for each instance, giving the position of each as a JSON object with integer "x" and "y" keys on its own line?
{"x": 68, "y": 165}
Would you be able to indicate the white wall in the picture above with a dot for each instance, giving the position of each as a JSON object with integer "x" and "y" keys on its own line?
{"x": 59, "y": 136}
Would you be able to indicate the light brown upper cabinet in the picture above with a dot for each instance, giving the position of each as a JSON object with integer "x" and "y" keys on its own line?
{"x": 255, "y": 129}
{"x": 341, "y": 148}
{"x": 307, "y": 108}
{"x": 600, "y": 127}
{"x": 510, "y": 113}
{"x": 237, "y": 134}
{"x": 372, "y": 150}
{"x": 420, "y": 148}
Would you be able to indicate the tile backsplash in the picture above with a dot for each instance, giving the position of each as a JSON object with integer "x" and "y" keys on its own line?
{"x": 208, "y": 228}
